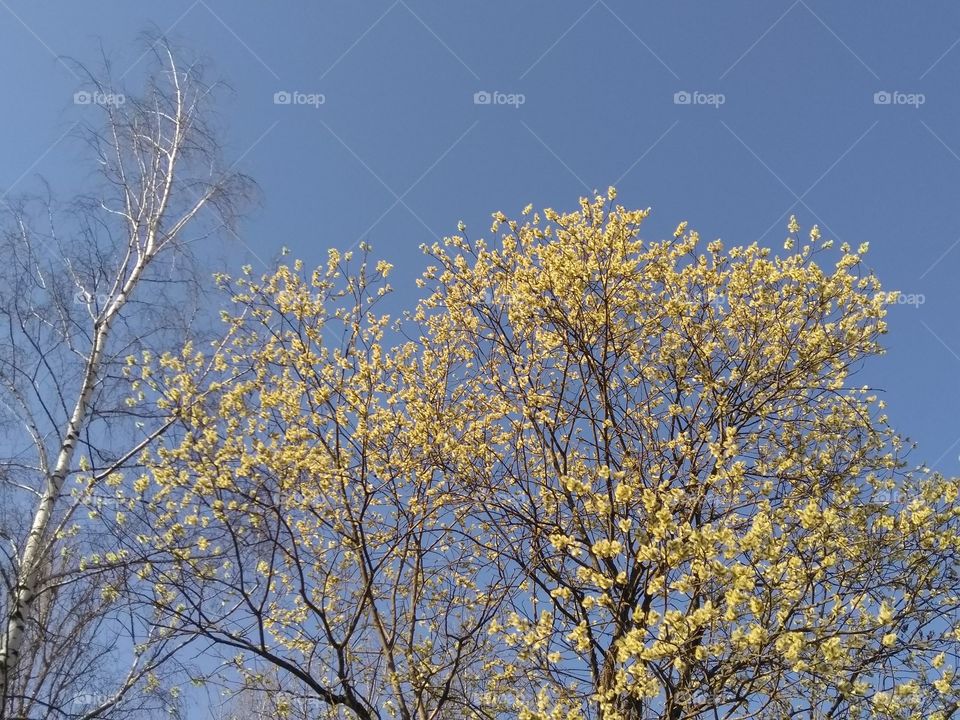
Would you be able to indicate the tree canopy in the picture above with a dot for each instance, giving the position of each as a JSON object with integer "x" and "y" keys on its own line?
{"x": 586, "y": 475}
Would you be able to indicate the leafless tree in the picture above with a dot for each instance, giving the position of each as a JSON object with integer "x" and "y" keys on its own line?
{"x": 83, "y": 286}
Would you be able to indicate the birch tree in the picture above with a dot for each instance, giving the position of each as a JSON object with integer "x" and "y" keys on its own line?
{"x": 83, "y": 286}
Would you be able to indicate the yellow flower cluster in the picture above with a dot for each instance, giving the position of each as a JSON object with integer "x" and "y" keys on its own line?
{"x": 628, "y": 475}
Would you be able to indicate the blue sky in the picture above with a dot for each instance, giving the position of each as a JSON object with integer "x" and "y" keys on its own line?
{"x": 783, "y": 117}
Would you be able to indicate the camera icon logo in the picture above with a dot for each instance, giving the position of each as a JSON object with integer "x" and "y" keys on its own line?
{"x": 482, "y": 97}
{"x": 85, "y": 97}
{"x": 682, "y": 97}
{"x": 282, "y": 97}
{"x": 898, "y": 97}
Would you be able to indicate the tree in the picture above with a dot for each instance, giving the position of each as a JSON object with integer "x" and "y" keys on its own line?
{"x": 298, "y": 520}
{"x": 617, "y": 479}
{"x": 673, "y": 450}
{"x": 71, "y": 310}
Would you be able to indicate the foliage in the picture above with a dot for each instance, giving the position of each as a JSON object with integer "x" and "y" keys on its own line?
{"x": 607, "y": 478}
{"x": 301, "y": 513}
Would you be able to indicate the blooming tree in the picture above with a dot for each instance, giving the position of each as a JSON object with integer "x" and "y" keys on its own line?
{"x": 604, "y": 478}
{"x": 300, "y": 517}
{"x": 673, "y": 451}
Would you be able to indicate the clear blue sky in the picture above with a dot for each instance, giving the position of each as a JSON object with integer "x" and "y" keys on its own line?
{"x": 399, "y": 151}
